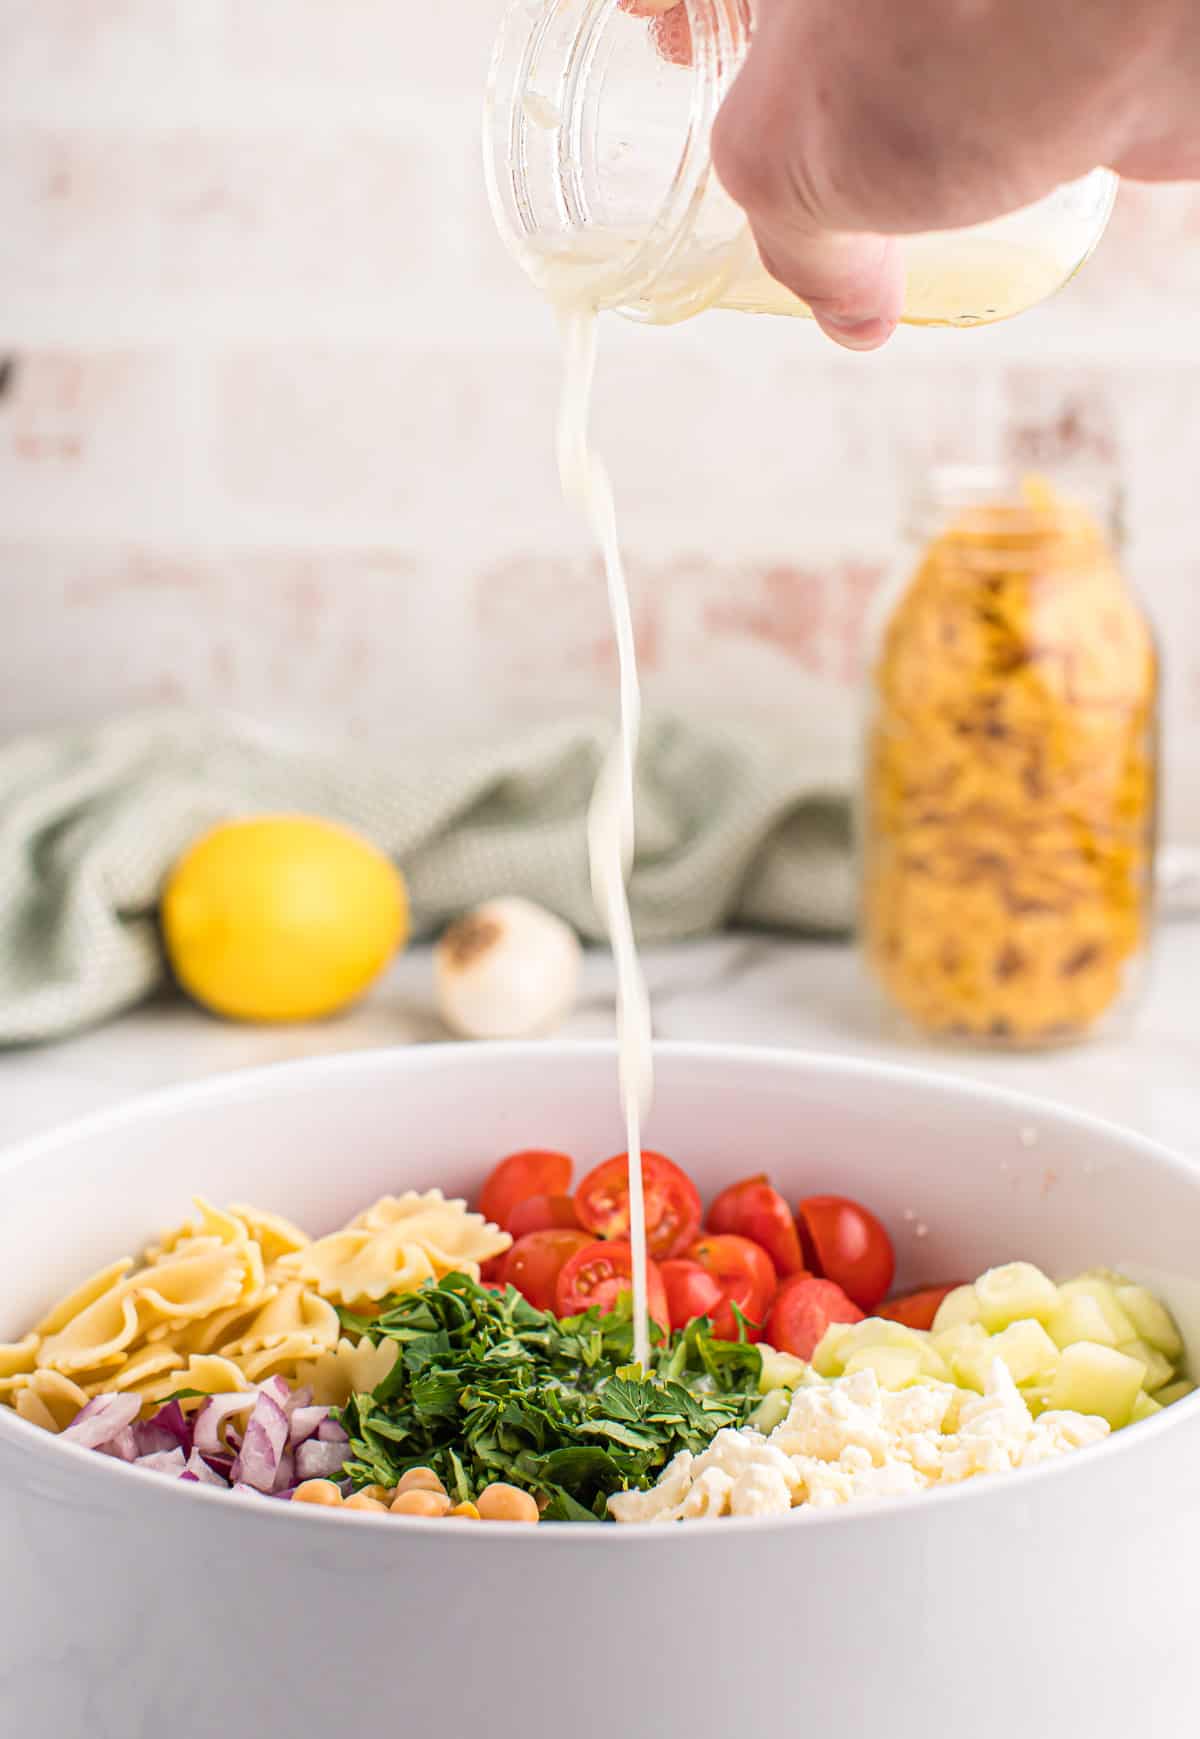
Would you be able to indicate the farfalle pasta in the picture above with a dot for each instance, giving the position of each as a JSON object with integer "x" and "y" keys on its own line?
{"x": 234, "y": 1297}
{"x": 349, "y": 1368}
{"x": 394, "y": 1246}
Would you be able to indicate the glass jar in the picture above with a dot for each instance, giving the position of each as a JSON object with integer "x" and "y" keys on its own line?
{"x": 1009, "y": 799}
{"x": 596, "y": 152}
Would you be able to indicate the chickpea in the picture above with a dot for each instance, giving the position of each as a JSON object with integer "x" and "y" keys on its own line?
{"x": 420, "y": 1479}
{"x": 466, "y": 1512}
{"x": 361, "y": 1501}
{"x": 381, "y": 1493}
{"x": 318, "y": 1491}
{"x": 421, "y": 1503}
{"x": 506, "y": 1503}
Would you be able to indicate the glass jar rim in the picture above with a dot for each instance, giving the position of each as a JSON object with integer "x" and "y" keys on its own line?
{"x": 720, "y": 32}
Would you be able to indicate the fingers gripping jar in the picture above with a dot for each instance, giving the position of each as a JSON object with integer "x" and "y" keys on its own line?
{"x": 1009, "y": 799}
{"x": 596, "y": 151}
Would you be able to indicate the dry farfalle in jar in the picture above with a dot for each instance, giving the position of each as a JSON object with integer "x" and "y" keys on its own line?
{"x": 1011, "y": 779}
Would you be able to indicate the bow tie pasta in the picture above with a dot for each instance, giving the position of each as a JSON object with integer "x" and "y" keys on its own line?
{"x": 234, "y": 1296}
{"x": 395, "y": 1246}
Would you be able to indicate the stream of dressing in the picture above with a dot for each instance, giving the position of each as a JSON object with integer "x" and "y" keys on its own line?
{"x": 586, "y": 484}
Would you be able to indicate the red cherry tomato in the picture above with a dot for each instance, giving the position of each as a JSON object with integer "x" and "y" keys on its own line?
{"x": 752, "y": 1209}
{"x": 803, "y": 1310}
{"x": 846, "y": 1243}
{"x": 533, "y": 1172}
{"x": 916, "y": 1309}
{"x": 541, "y": 1213}
{"x": 597, "y": 1275}
{"x": 535, "y": 1261}
{"x": 672, "y": 1203}
{"x": 691, "y": 1291}
{"x": 746, "y": 1276}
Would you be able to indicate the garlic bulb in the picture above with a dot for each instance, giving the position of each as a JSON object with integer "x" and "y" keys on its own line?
{"x": 507, "y": 970}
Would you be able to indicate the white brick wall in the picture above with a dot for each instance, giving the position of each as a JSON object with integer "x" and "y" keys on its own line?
{"x": 277, "y": 432}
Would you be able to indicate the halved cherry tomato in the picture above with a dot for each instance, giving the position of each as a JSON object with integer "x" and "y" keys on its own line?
{"x": 746, "y": 1276}
{"x": 597, "y": 1275}
{"x": 672, "y": 1203}
{"x": 803, "y": 1310}
{"x": 535, "y": 1261}
{"x": 532, "y": 1172}
{"x": 752, "y": 1209}
{"x": 846, "y": 1243}
{"x": 916, "y": 1309}
{"x": 691, "y": 1291}
{"x": 540, "y": 1213}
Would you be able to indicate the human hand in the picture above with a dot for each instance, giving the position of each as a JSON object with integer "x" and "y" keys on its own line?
{"x": 857, "y": 121}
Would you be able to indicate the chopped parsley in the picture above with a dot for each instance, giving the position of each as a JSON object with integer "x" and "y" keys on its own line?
{"x": 486, "y": 1387}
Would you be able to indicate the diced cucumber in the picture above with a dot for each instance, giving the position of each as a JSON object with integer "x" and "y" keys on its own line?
{"x": 948, "y": 1342}
{"x": 827, "y": 1359}
{"x": 1144, "y": 1408}
{"x": 771, "y": 1411}
{"x": 1159, "y": 1370}
{"x": 957, "y": 1308}
{"x": 1151, "y": 1319}
{"x": 780, "y": 1371}
{"x": 1097, "y": 1380}
{"x": 1078, "y": 1317}
{"x": 1028, "y": 1352}
{"x": 933, "y": 1365}
{"x": 1173, "y": 1392}
{"x": 1012, "y": 1293}
{"x": 877, "y": 1331}
{"x": 895, "y": 1367}
{"x": 1110, "y": 1276}
{"x": 1105, "y": 1295}
{"x": 972, "y": 1365}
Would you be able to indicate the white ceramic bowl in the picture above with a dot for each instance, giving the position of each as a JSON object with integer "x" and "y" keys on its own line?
{"x": 1054, "y": 1602}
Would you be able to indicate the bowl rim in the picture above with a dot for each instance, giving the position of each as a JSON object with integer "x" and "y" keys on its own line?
{"x": 242, "y": 1084}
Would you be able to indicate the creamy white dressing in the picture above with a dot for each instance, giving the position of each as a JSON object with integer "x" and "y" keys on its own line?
{"x": 611, "y": 829}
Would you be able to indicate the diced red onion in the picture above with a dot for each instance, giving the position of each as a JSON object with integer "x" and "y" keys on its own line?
{"x": 168, "y": 1461}
{"x": 102, "y": 1420}
{"x": 198, "y": 1469}
{"x": 289, "y": 1399}
{"x": 172, "y": 1420}
{"x": 263, "y": 1441}
{"x": 305, "y": 1422}
{"x": 125, "y": 1446}
{"x": 152, "y": 1440}
{"x": 317, "y": 1460}
{"x": 263, "y": 1444}
{"x": 206, "y": 1433}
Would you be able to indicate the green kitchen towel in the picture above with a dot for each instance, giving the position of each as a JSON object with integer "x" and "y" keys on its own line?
{"x": 734, "y": 823}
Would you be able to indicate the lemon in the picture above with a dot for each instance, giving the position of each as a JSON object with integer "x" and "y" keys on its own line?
{"x": 282, "y": 918}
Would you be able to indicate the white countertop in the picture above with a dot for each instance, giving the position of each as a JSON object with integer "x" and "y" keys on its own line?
{"x": 737, "y": 989}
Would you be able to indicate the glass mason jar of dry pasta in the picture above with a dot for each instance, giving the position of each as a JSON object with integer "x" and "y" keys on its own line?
{"x": 1009, "y": 798}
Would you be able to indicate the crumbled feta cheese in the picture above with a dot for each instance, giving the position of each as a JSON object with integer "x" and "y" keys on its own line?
{"x": 847, "y": 1439}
